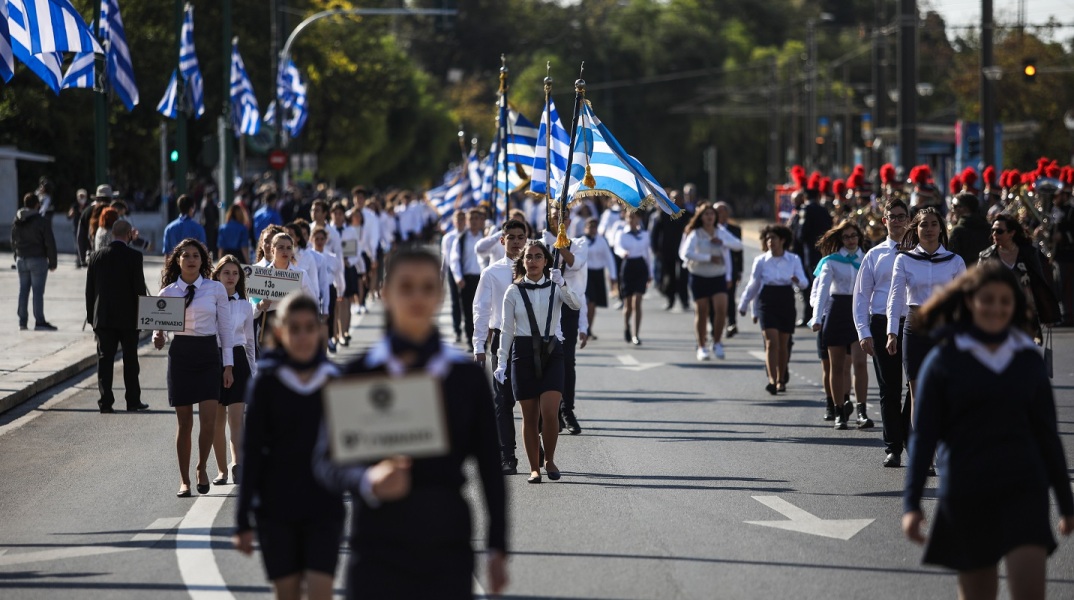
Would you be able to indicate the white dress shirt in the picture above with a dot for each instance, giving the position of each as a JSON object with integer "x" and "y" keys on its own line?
{"x": 489, "y": 249}
{"x": 516, "y": 322}
{"x": 242, "y": 329}
{"x": 463, "y": 256}
{"x": 371, "y": 223}
{"x": 308, "y": 263}
{"x": 324, "y": 278}
{"x": 446, "y": 243}
{"x": 599, "y": 256}
{"x": 698, "y": 247}
{"x": 333, "y": 243}
{"x": 835, "y": 279}
{"x": 387, "y": 230}
{"x": 536, "y": 213}
{"x": 207, "y": 314}
{"x": 350, "y": 234}
{"x": 775, "y": 271}
{"x": 913, "y": 281}
{"x": 873, "y": 284}
{"x": 607, "y": 225}
{"x": 306, "y": 289}
{"x": 576, "y": 276}
{"x": 488, "y": 300}
{"x": 635, "y": 244}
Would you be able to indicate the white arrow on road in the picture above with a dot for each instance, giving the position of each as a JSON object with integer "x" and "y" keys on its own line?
{"x": 804, "y": 522}
{"x": 631, "y": 364}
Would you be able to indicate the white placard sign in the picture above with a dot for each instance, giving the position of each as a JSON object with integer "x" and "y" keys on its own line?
{"x": 373, "y": 418}
{"x": 350, "y": 248}
{"x": 267, "y": 283}
{"x": 162, "y": 314}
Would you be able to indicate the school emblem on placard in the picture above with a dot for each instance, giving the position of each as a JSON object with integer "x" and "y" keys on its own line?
{"x": 248, "y": 270}
{"x": 381, "y": 397}
{"x": 161, "y": 304}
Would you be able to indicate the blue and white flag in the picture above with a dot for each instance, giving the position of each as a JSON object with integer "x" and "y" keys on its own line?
{"x": 169, "y": 104}
{"x": 118, "y": 67}
{"x": 55, "y": 26}
{"x": 45, "y": 66}
{"x": 547, "y": 180}
{"x": 521, "y": 139}
{"x": 244, "y": 113}
{"x": 7, "y": 58}
{"x": 80, "y": 72}
{"x": 188, "y": 64}
{"x": 292, "y": 94}
{"x": 615, "y": 172}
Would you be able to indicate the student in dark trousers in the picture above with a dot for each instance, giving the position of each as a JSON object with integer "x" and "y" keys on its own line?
{"x": 196, "y": 369}
{"x": 298, "y": 522}
{"x": 466, "y": 267}
{"x": 229, "y": 272}
{"x": 411, "y": 530}
{"x": 985, "y": 408}
{"x": 114, "y": 281}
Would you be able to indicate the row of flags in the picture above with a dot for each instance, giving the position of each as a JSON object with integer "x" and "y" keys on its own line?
{"x": 38, "y": 32}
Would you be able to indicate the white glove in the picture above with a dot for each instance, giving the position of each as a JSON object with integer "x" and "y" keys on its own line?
{"x": 556, "y": 276}
{"x": 500, "y": 374}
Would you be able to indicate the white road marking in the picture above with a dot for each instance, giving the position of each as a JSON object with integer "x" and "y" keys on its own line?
{"x": 194, "y": 552}
{"x": 805, "y": 522}
{"x": 630, "y": 363}
{"x": 155, "y": 532}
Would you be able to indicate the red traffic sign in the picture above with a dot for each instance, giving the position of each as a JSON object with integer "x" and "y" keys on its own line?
{"x": 277, "y": 159}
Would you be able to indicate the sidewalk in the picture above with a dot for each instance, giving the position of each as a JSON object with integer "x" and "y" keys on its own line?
{"x": 38, "y": 360}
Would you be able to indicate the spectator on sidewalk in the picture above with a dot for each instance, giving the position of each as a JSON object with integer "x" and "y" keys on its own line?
{"x": 185, "y": 227}
{"x": 74, "y": 214}
{"x": 103, "y": 237}
{"x": 114, "y": 281}
{"x": 35, "y": 256}
{"x": 83, "y": 232}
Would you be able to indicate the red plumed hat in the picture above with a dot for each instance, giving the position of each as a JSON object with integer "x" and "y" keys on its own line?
{"x": 955, "y": 185}
{"x": 1013, "y": 178}
{"x": 989, "y": 176}
{"x": 814, "y": 181}
{"x": 969, "y": 178}
{"x": 887, "y": 174}
{"x": 825, "y": 185}
{"x": 839, "y": 188}
{"x": 798, "y": 176}
{"x": 1052, "y": 170}
{"x": 1066, "y": 175}
{"x": 855, "y": 180}
{"x": 921, "y": 174}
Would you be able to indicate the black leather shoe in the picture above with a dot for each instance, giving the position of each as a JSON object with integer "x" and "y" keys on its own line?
{"x": 770, "y": 388}
{"x": 932, "y": 470}
{"x": 570, "y": 423}
{"x": 864, "y": 422}
{"x": 137, "y": 407}
{"x": 220, "y": 480}
{"x": 841, "y": 416}
{"x": 626, "y": 334}
{"x": 893, "y": 461}
{"x": 106, "y": 409}
{"x": 509, "y": 465}
{"x": 829, "y": 411}
{"x": 534, "y": 479}
{"x": 731, "y": 331}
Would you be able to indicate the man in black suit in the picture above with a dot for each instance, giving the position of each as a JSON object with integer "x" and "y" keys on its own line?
{"x": 114, "y": 281}
{"x": 815, "y": 221}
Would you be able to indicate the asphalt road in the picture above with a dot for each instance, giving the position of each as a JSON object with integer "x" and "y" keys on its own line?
{"x": 677, "y": 459}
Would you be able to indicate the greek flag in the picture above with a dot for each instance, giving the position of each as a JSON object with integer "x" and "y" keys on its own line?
{"x": 546, "y": 180}
{"x": 80, "y": 72}
{"x": 7, "y": 59}
{"x": 118, "y": 66}
{"x": 169, "y": 104}
{"x": 292, "y": 94}
{"x": 616, "y": 173}
{"x": 45, "y": 66}
{"x": 55, "y": 26}
{"x": 521, "y": 138}
{"x": 188, "y": 64}
{"x": 244, "y": 113}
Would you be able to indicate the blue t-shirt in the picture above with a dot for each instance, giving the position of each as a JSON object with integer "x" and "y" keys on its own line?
{"x": 180, "y": 229}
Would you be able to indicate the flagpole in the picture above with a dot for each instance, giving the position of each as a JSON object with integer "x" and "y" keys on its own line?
{"x": 505, "y": 113}
{"x": 181, "y": 114}
{"x": 548, "y": 142}
{"x": 227, "y": 141}
{"x": 579, "y": 96}
{"x": 100, "y": 105}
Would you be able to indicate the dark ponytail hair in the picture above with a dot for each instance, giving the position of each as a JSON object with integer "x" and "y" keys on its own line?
{"x": 520, "y": 264}
{"x": 948, "y": 308}
{"x": 910, "y": 239}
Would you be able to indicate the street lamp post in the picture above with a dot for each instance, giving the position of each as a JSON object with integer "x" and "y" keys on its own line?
{"x": 988, "y": 90}
{"x": 907, "y": 83}
{"x": 810, "y": 130}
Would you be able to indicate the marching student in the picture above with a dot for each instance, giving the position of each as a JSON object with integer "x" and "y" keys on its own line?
{"x": 706, "y": 254}
{"x": 531, "y": 310}
{"x": 282, "y": 259}
{"x": 334, "y": 277}
{"x": 351, "y": 279}
{"x": 229, "y": 272}
{"x": 299, "y": 522}
{"x": 632, "y": 246}
{"x": 489, "y": 249}
{"x": 598, "y": 260}
{"x": 263, "y": 255}
{"x": 771, "y": 277}
{"x": 411, "y": 528}
{"x": 833, "y": 315}
{"x": 871, "y": 290}
{"x": 985, "y": 408}
{"x": 466, "y": 267}
{"x": 194, "y": 360}
{"x": 917, "y": 274}
{"x": 447, "y": 242}
{"x": 305, "y": 259}
{"x": 362, "y": 263}
{"x": 488, "y": 321}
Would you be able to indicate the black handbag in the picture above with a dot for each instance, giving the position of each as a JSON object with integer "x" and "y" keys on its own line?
{"x": 543, "y": 345}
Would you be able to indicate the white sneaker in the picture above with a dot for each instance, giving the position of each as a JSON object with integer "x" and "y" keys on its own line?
{"x": 717, "y": 349}
{"x": 703, "y": 353}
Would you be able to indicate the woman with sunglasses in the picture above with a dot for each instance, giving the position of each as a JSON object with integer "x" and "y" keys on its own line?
{"x": 1013, "y": 248}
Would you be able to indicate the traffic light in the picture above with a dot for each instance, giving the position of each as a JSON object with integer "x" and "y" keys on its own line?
{"x": 1029, "y": 70}
{"x": 174, "y": 156}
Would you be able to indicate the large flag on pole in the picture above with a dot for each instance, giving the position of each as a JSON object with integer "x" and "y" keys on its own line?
{"x": 169, "y": 104}
{"x": 55, "y": 26}
{"x": 188, "y": 64}
{"x": 292, "y": 94}
{"x": 244, "y": 114}
{"x": 614, "y": 172}
{"x": 119, "y": 67}
{"x": 7, "y": 58}
{"x": 46, "y": 66}
{"x": 547, "y": 178}
{"x": 521, "y": 139}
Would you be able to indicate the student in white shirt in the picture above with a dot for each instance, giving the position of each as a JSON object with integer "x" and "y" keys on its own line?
{"x": 488, "y": 322}
{"x": 334, "y": 276}
{"x": 536, "y": 356}
{"x": 833, "y": 318}
{"x": 706, "y": 254}
{"x": 635, "y": 250}
{"x": 263, "y": 252}
{"x": 364, "y": 261}
{"x": 447, "y": 243}
{"x": 917, "y": 275}
{"x": 599, "y": 260}
{"x": 283, "y": 259}
{"x": 771, "y": 280}
{"x": 305, "y": 258}
{"x": 232, "y": 407}
{"x": 349, "y": 236}
{"x": 466, "y": 268}
{"x": 196, "y": 367}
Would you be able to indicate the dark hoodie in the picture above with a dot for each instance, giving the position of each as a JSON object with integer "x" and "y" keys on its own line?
{"x": 31, "y": 236}
{"x": 969, "y": 237}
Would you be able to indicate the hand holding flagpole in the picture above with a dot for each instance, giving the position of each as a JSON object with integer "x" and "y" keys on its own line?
{"x": 579, "y": 96}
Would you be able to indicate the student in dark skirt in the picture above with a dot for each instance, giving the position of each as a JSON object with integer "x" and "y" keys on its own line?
{"x": 299, "y": 523}
{"x": 229, "y": 272}
{"x": 634, "y": 248}
{"x": 599, "y": 260}
{"x": 833, "y": 314}
{"x": 197, "y": 366}
{"x": 986, "y": 408}
{"x": 536, "y": 299}
{"x": 771, "y": 279}
{"x": 706, "y": 253}
{"x": 411, "y": 528}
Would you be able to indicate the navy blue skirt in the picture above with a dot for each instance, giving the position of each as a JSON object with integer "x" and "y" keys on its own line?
{"x": 777, "y": 308}
{"x": 524, "y": 382}
{"x": 839, "y": 327}
{"x": 915, "y": 347}
{"x": 596, "y": 291}
{"x": 241, "y": 372}
{"x": 707, "y": 287}
{"x": 634, "y": 278}
{"x": 194, "y": 371}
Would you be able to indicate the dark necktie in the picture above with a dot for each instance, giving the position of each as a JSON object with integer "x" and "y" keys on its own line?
{"x": 190, "y": 290}
{"x": 230, "y": 298}
{"x": 534, "y": 286}
{"x": 932, "y": 258}
{"x": 462, "y": 254}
